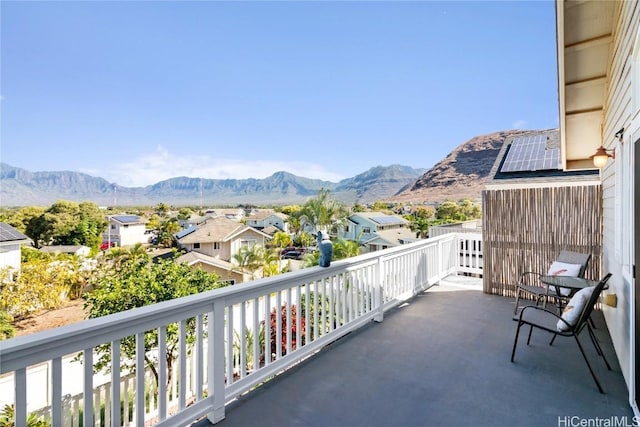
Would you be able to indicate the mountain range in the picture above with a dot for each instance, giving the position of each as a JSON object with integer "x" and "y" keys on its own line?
{"x": 459, "y": 175}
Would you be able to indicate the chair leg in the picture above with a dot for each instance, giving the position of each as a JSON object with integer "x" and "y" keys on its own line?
{"x": 515, "y": 341}
{"x": 515, "y": 310}
{"x": 596, "y": 344}
{"x": 529, "y": 338}
{"x": 593, "y": 374}
{"x": 553, "y": 339}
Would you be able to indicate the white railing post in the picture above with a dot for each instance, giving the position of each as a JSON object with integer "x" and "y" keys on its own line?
{"x": 216, "y": 380}
{"x": 379, "y": 291}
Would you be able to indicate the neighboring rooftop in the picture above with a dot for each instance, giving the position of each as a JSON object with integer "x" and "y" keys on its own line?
{"x": 535, "y": 157}
{"x": 8, "y": 233}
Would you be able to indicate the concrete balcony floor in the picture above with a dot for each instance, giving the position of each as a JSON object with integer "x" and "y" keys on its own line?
{"x": 442, "y": 359}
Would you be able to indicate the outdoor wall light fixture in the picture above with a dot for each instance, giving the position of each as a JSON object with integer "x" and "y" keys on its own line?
{"x": 602, "y": 154}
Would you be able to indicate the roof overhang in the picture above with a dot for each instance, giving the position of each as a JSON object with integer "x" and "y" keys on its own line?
{"x": 584, "y": 39}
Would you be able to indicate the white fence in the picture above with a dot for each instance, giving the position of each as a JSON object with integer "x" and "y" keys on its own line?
{"x": 241, "y": 336}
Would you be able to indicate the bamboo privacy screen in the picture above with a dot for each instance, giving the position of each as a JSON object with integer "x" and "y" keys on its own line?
{"x": 524, "y": 230}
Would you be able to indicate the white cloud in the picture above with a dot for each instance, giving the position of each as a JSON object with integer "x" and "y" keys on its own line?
{"x": 162, "y": 164}
{"x": 519, "y": 124}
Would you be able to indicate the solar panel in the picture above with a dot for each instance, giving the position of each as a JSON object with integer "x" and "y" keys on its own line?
{"x": 8, "y": 233}
{"x": 126, "y": 219}
{"x": 386, "y": 220}
{"x": 531, "y": 153}
{"x": 186, "y": 231}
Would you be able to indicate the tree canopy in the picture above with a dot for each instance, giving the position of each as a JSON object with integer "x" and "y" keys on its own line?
{"x": 129, "y": 279}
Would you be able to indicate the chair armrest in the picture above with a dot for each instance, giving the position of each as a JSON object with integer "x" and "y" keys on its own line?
{"x": 537, "y": 307}
{"x": 525, "y": 274}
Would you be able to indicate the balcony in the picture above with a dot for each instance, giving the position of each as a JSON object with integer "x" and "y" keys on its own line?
{"x": 384, "y": 339}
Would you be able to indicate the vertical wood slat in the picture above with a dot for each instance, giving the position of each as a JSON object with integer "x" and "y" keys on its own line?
{"x": 525, "y": 229}
{"x": 87, "y": 396}
{"x": 199, "y": 357}
{"x": 115, "y": 380}
{"x": 162, "y": 374}
{"x": 182, "y": 379}
{"x": 138, "y": 409}
{"x": 56, "y": 396}
{"x": 20, "y": 410}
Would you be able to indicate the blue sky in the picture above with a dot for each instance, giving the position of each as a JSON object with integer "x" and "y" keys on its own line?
{"x": 138, "y": 92}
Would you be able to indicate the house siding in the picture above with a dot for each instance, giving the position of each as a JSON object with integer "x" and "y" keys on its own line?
{"x": 620, "y": 112}
{"x": 10, "y": 256}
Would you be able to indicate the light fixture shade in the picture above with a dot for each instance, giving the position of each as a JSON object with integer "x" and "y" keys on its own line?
{"x": 600, "y": 160}
{"x": 601, "y": 157}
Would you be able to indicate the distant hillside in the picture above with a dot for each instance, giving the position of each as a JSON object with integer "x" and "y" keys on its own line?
{"x": 379, "y": 183}
{"x": 19, "y": 187}
{"x": 460, "y": 175}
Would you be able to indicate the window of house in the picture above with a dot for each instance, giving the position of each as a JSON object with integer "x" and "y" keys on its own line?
{"x": 196, "y": 246}
{"x": 366, "y": 229}
{"x": 247, "y": 242}
{"x": 216, "y": 245}
{"x": 113, "y": 226}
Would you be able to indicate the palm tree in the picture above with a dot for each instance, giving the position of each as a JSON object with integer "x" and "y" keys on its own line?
{"x": 421, "y": 227}
{"x": 322, "y": 212}
{"x": 248, "y": 259}
{"x": 281, "y": 240}
{"x": 270, "y": 262}
{"x": 345, "y": 248}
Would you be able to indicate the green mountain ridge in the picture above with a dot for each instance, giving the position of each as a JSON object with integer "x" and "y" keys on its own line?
{"x": 20, "y": 187}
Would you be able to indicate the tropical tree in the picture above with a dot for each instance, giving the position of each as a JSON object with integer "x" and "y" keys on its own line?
{"x": 345, "y": 248}
{"x": 138, "y": 282}
{"x": 166, "y": 230}
{"x": 42, "y": 283}
{"x": 304, "y": 239}
{"x": 270, "y": 262}
{"x": 21, "y": 218}
{"x": 249, "y": 258}
{"x": 162, "y": 210}
{"x": 65, "y": 223}
{"x": 281, "y": 240}
{"x": 294, "y": 224}
{"x": 322, "y": 212}
{"x": 450, "y": 211}
{"x": 184, "y": 214}
{"x": 381, "y": 206}
{"x": 421, "y": 227}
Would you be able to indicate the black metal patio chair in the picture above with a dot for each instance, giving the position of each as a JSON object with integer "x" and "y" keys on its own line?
{"x": 570, "y": 324}
{"x": 530, "y": 284}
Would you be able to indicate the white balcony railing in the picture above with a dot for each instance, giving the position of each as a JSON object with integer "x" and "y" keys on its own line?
{"x": 303, "y": 311}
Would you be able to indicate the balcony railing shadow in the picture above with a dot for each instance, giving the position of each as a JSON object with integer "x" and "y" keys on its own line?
{"x": 442, "y": 359}
{"x": 434, "y": 350}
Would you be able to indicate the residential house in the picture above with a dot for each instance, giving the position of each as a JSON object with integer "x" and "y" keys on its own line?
{"x": 220, "y": 237}
{"x": 125, "y": 230}
{"x": 195, "y": 220}
{"x": 377, "y": 230}
{"x": 599, "y": 93}
{"x": 235, "y": 214}
{"x": 11, "y": 240}
{"x": 79, "y": 250}
{"x": 551, "y": 208}
{"x": 265, "y": 218}
{"x": 210, "y": 264}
